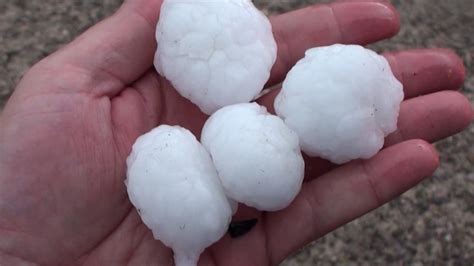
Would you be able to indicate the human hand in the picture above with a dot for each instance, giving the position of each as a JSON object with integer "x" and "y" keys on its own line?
{"x": 70, "y": 124}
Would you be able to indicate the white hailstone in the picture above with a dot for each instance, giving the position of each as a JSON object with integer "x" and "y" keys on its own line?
{"x": 342, "y": 100}
{"x": 215, "y": 53}
{"x": 257, "y": 157}
{"x": 172, "y": 182}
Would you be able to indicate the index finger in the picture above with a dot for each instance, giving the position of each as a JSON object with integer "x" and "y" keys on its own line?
{"x": 117, "y": 51}
{"x": 357, "y": 22}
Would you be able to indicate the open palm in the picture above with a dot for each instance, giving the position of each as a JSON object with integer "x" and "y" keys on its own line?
{"x": 67, "y": 129}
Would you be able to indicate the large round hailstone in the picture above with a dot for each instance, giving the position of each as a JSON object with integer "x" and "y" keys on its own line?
{"x": 256, "y": 155}
{"x": 215, "y": 53}
{"x": 342, "y": 100}
{"x": 172, "y": 182}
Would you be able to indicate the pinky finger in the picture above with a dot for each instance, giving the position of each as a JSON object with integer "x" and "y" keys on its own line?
{"x": 346, "y": 193}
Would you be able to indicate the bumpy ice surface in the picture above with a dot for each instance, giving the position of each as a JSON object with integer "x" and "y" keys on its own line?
{"x": 172, "y": 182}
{"x": 256, "y": 155}
{"x": 342, "y": 101}
{"x": 215, "y": 53}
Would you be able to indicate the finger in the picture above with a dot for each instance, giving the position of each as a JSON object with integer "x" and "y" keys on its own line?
{"x": 347, "y": 193}
{"x": 432, "y": 117}
{"x": 449, "y": 115}
{"x": 111, "y": 54}
{"x": 425, "y": 71}
{"x": 358, "y": 22}
{"x": 420, "y": 71}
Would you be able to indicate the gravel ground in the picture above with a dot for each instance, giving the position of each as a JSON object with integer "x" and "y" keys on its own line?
{"x": 432, "y": 224}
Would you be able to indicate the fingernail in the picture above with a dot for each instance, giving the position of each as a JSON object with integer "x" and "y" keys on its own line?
{"x": 366, "y": 21}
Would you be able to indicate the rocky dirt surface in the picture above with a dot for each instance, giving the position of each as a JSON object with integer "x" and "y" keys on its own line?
{"x": 430, "y": 225}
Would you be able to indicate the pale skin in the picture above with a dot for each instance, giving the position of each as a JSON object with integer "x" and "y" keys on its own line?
{"x": 68, "y": 128}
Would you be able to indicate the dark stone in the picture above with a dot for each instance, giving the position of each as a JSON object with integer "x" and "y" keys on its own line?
{"x": 240, "y": 228}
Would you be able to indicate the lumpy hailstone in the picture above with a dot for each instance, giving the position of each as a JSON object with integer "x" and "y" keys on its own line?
{"x": 215, "y": 53}
{"x": 172, "y": 182}
{"x": 257, "y": 156}
{"x": 342, "y": 100}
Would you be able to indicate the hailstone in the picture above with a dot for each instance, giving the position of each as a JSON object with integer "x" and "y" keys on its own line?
{"x": 215, "y": 53}
{"x": 257, "y": 157}
{"x": 342, "y": 100}
{"x": 172, "y": 182}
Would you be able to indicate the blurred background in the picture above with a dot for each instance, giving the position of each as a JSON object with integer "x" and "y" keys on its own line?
{"x": 430, "y": 225}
